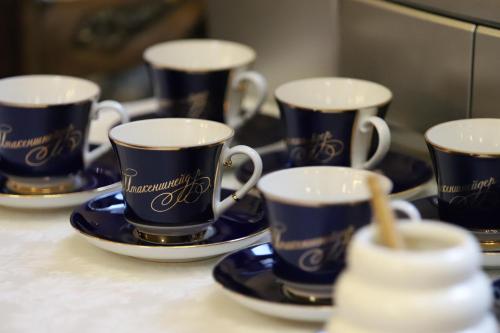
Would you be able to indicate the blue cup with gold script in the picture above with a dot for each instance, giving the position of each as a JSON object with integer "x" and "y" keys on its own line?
{"x": 313, "y": 212}
{"x": 466, "y": 158}
{"x": 205, "y": 78}
{"x": 44, "y": 125}
{"x": 171, "y": 175}
{"x": 331, "y": 121}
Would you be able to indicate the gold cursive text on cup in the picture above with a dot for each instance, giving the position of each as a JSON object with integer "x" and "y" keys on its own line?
{"x": 185, "y": 188}
{"x": 195, "y": 102}
{"x": 475, "y": 186}
{"x": 319, "y": 249}
{"x": 478, "y": 194}
{"x": 321, "y": 147}
{"x": 45, "y": 147}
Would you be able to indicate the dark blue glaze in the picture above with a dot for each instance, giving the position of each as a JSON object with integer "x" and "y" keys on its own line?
{"x": 405, "y": 172}
{"x": 103, "y": 218}
{"x": 468, "y": 188}
{"x": 427, "y": 207}
{"x": 496, "y": 297}
{"x": 43, "y": 141}
{"x": 320, "y": 138}
{"x": 310, "y": 242}
{"x": 250, "y": 272}
{"x": 190, "y": 94}
{"x": 103, "y": 172}
{"x": 429, "y": 210}
{"x": 169, "y": 187}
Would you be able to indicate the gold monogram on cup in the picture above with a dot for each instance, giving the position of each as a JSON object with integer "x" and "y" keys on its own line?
{"x": 477, "y": 193}
{"x": 321, "y": 147}
{"x": 45, "y": 147}
{"x": 331, "y": 246}
{"x": 187, "y": 188}
{"x": 195, "y": 102}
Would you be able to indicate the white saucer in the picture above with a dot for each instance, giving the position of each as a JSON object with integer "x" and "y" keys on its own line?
{"x": 246, "y": 277}
{"x": 491, "y": 259}
{"x": 316, "y": 314}
{"x": 101, "y": 222}
{"x": 99, "y": 180}
{"x": 182, "y": 253}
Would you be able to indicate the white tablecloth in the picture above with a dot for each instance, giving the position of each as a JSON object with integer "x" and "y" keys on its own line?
{"x": 53, "y": 281}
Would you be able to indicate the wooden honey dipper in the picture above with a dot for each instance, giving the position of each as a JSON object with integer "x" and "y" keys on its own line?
{"x": 384, "y": 215}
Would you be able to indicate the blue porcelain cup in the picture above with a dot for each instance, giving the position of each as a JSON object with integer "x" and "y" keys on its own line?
{"x": 466, "y": 158}
{"x": 171, "y": 175}
{"x": 204, "y": 78}
{"x": 330, "y": 121}
{"x": 313, "y": 212}
{"x": 44, "y": 125}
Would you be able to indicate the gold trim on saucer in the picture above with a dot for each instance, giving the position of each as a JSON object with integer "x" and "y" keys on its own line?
{"x": 490, "y": 246}
{"x": 171, "y": 246}
{"x": 169, "y": 239}
{"x": 21, "y": 188}
{"x": 305, "y": 299}
{"x": 98, "y": 190}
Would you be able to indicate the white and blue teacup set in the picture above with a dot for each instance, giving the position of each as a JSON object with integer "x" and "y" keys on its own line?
{"x": 161, "y": 198}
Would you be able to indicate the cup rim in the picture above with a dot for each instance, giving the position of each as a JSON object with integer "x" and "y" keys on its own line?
{"x": 280, "y": 198}
{"x": 450, "y": 150}
{"x": 222, "y": 140}
{"x": 149, "y": 55}
{"x": 96, "y": 91}
{"x": 343, "y": 80}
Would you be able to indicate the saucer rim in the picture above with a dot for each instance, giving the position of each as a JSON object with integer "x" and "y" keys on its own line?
{"x": 60, "y": 195}
{"x": 490, "y": 260}
{"x": 412, "y": 192}
{"x": 97, "y": 190}
{"x": 153, "y": 246}
{"x": 253, "y": 297}
{"x": 161, "y": 246}
{"x": 165, "y": 255}
{"x": 324, "y": 312}
{"x": 406, "y": 194}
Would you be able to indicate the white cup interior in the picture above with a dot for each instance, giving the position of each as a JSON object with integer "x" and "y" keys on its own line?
{"x": 171, "y": 133}
{"x": 333, "y": 94}
{"x": 43, "y": 90}
{"x": 199, "y": 55}
{"x": 473, "y": 136}
{"x": 321, "y": 185}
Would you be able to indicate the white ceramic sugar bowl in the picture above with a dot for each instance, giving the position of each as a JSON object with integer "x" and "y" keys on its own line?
{"x": 435, "y": 286}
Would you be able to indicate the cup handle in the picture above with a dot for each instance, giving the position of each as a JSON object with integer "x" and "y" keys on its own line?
{"x": 407, "y": 208}
{"x": 90, "y": 156}
{"x": 384, "y": 139}
{"x": 235, "y": 117}
{"x": 221, "y": 206}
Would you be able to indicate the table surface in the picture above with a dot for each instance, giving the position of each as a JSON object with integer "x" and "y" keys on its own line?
{"x": 51, "y": 280}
